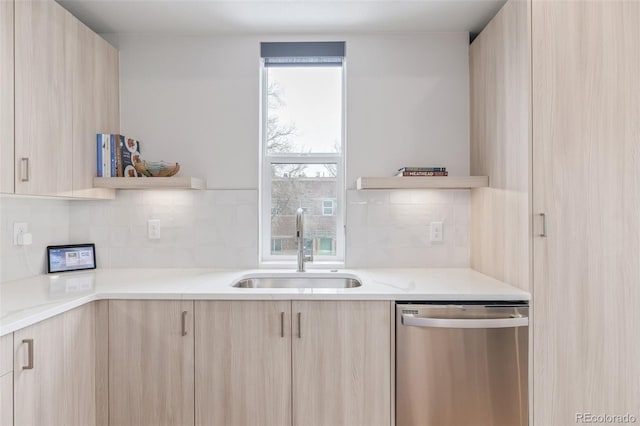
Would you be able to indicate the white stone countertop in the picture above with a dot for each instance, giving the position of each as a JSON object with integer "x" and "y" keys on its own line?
{"x": 25, "y": 302}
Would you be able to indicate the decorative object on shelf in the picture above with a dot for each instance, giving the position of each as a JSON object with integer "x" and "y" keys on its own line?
{"x": 157, "y": 168}
{"x": 422, "y": 171}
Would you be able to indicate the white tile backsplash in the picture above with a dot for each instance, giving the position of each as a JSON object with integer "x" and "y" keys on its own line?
{"x": 219, "y": 229}
{"x": 208, "y": 229}
{"x": 48, "y": 222}
{"x": 391, "y": 228}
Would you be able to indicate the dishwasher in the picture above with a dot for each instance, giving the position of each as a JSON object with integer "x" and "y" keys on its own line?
{"x": 462, "y": 364}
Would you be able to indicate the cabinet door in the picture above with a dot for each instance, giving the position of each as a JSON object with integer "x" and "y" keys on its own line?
{"x": 151, "y": 362}
{"x": 6, "y": 400}
{"x": 95, "y": 107}
{"x": 586, "y": 169}
{"x": 6, "y": 96}
{"x": 243, "y": 360}
{"x": 6, "y": 379}
{"x": 341, "y": 363}
{"x": 44, "y": 37}
{"x": 59, "y": 389}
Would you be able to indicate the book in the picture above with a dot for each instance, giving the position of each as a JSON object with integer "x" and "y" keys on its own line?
{"x": 99, "y": 169}
{"x": 129, "y": 154}
{"x": 106, "y": 155}
{"x": 422, "y": 169}
{"x": 116, "y": 143}
{"x": 422, "y": 174}
{"x": 113, "y": 149}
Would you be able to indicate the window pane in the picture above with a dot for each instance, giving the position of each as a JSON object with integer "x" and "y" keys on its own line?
{"x": 304, "y": 110}
{"x": 308, "y": 186}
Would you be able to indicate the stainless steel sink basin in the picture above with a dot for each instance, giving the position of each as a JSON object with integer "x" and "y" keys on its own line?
{"x": 298, "y": 282}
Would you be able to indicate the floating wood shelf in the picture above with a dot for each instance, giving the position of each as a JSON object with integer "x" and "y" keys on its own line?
{"x": 420, "y": 182}
{"x": 175, "y": 182}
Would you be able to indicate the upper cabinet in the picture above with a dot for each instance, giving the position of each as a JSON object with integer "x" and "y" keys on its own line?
{"x": 66, "y": 91}
{"x": 95, "y": 106}
{"x": 6, "y": 96}
{"x": 44, "y": 47}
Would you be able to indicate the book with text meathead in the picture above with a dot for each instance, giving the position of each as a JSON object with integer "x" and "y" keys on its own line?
{"x": 130, "y": 154}
{"x": 422, "y": 174}
{"x": 422, "y": 169}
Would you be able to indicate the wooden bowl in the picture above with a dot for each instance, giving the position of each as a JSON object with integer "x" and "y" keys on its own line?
{"x": 157, "y": 168}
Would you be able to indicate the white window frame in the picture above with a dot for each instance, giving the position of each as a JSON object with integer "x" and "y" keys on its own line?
{"x": 266, "y": 259}
{"x": 332, "y": 207}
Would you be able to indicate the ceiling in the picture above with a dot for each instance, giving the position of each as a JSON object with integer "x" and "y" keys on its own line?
{"x": 282, "y": 17}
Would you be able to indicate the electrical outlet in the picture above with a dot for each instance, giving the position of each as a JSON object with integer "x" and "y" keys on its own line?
{"x": 18, "y": 229}
{"x": 153, "y": 229}
{"x": 436, "y": 232}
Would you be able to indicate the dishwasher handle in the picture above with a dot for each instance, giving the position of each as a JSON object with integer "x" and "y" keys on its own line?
{"x": 414, "y": 321}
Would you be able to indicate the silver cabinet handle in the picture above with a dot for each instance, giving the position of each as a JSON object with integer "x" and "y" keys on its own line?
{"x": 413, "y": 321}
{"x": 184, "y": 323}
{"x": 299, "y": 325}
{"x": 29, "y": 343}
{"x": 544, "y": 225}
{"x": 24, "y": 171}
{"x": 281, "y": 324}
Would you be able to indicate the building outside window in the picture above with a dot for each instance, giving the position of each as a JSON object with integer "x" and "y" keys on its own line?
{"x": 302, "y": 149}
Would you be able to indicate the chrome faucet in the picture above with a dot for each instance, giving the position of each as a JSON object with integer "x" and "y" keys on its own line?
{"x": 302, "y": 258}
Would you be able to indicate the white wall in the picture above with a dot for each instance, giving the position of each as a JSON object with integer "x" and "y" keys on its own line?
{"x": 195, "y": 100}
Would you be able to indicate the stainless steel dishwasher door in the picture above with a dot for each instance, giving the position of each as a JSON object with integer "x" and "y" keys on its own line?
{"x": 461, "y": 365}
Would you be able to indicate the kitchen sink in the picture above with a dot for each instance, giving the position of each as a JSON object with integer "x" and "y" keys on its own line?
{"x": 298, "y": 282}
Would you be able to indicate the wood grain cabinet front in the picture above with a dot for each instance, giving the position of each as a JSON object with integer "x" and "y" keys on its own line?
{"x": 66, "y": 91}
{"x": 54, "y": 370}
{"x": 151, "y": 369}
{"x": 300, "y": 363}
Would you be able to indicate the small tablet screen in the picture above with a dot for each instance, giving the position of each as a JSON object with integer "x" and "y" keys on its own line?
{"x": 71, "y": 257}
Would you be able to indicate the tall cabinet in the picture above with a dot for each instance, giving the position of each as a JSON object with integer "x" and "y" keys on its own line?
{"x": 562, "y": 120}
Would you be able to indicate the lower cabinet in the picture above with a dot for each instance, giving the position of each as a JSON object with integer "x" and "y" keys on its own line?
{"x": 300, "y": 363}
{"x": 243, "y": 360}
{"x": 341, "y": 363}
{"x": 151, "y": 375}
{"x": 54, "y": 370}
{"x": 6, "y": 379}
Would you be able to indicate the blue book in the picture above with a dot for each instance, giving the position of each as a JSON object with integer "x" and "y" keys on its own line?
{"x": 113, "y": 147}
{"x": 100, "y": 172}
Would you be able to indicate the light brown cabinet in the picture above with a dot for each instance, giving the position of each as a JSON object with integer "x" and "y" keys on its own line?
{"x": 66, "y": 91}
{"x": 6, "y": 380}
{"x": 151, "y": 366}
{"x": 54, "y": 370}
{"x": 6, "y": 96}
{"x": 95, "y": 107}
{"x": 243, "y": 360}
{"x": 555, "y": 112}
{"x": 300, "y": 363}
{"x": 44, "y": 49}
{"x": 341, "y": 363}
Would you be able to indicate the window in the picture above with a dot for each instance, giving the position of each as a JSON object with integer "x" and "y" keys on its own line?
{"x": 327, "y": 207}
{"x": 302, "y": 163}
